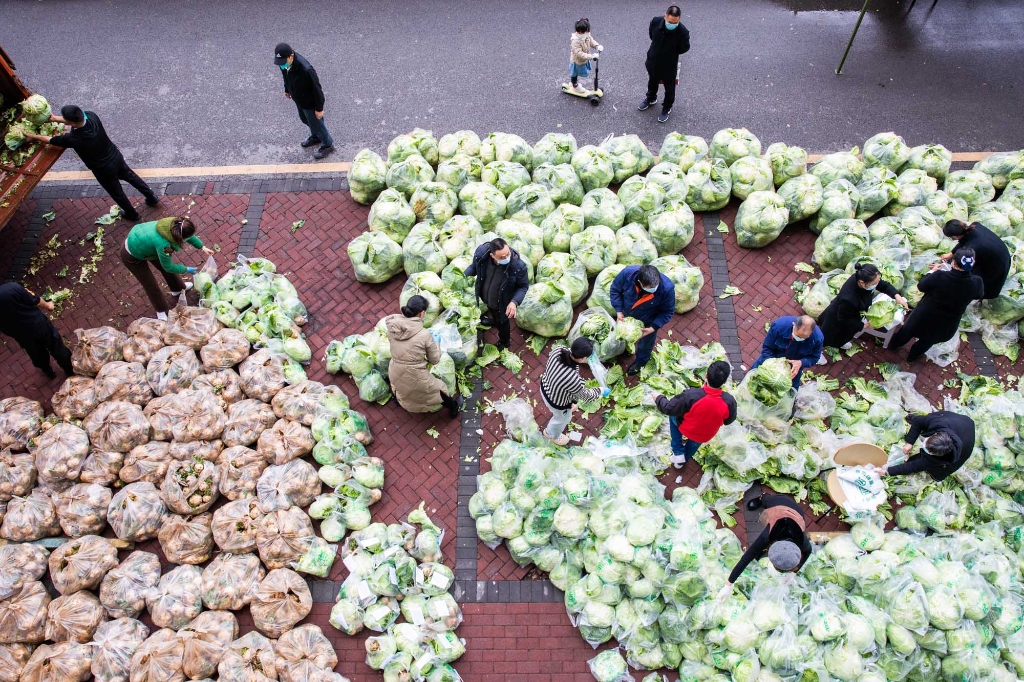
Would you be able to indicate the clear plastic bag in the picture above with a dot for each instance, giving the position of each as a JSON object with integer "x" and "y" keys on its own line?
{"x": 226, "y": 348}
{"x": 191, "y": 487}
{"x": 17, "y": 474}
{"x": 304, "y": 653}
{"x": 250, "y": 658}
{"x": 22, "y": 563}
{"x": 146, "y": 462}
{"x": 294, "y": 483}
{"x": 145, "y": 337}
{"x": 23, "y": 614}
{"x": 205, "y": 641}
{"x": 158, "y": 659}
{"x": 235, "y": 524}
{"x": 172, "y": 369}
{"x": 813, "y": 403}
{"x": 123, "y": 381}
{"x": 192, "y": 327}
{"x": 240, "y": 468}
{"x": 282, "y": 600}
{"x": 225, "y": 384}
{"x": 598, "y": 326}
{"x": 82, "y": 509}
{"x": 901, "y": 385}
{"x": 519, "y": 421}
{"x": 75, "y": 398}
{"x": 203, "y": 449}
{"x": 283, "y": 536}
{"x": 136, "y": 512}
{"x": 300, "y": 402}
{"x": 114, "y": 643}
{"x": 95, "y": 348}
{"x": 946, "y": 353}
{"x": 117, "y": 426}
{"x": 30, "y": 518}
{"x": 187, "y": 540}
{"x": 201, "y": 417}
{"x": 262, "y": 375}
{"x": 13, "y": 658}
{"x": 20, "y": 421}
{"x": 285, "y": 441}
{"x": 124, "y": 588}
{"x": 61, "y": 662}
{"x": 102, "y": 467}
{"x": 59, "y": 454}
{"x": 74, "y": 618}
{"x": 246, "y": 421}
{"x": 231, "y": 580}
{"x": 176, "y": 599}
{"x": 81, "y": 564}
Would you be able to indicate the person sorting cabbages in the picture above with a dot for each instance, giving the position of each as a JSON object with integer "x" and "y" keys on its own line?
{"x": 990, "y": 253}
{"x": 947, "y": 293}
{"x": 696, "y": 414}
{"x": 784, "y": 538}
{"x": 797, "y": 339}
{"x": 843, "y": 318}
{"x": 948, "y": 444}
{"x": 643, "y": 293}
{"x": 413, "y": 350}
{"x": 501, "y": 284}
{"x": 22, "y": 318}
{"x": 562, "y": 387}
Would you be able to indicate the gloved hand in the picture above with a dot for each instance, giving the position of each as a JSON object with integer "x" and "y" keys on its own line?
{"x": 595, "y": 55}
{"x": 600, "y": 48}
{"x": 605, "y": 392}
{"x": 190, "y": 270}
{"x": 724, "y": 593}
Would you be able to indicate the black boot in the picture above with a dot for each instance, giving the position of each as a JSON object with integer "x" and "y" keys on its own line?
{"x": 454, "y": 405}
{"x": 754, "y": 504}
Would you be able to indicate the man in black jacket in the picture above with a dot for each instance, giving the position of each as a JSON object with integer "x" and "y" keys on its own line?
{"x": 669, "y": 39}
{"x": 501, "y": 284}
{"x": 22, "y": 319}
{"x": 302, "y": 86}
{"x": 948, "y": 444}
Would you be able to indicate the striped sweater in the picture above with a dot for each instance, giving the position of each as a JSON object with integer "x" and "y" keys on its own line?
{"x": 562, "y": 385}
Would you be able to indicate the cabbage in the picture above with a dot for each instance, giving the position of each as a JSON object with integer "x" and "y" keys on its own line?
{"x": 506, "y": 147}
{"x": 945, "y": 208}
{"x": 786, "y": 162}
{"x": 560, "y": 225}
{"x": 608, "y": 666}
{"x": 671, "y": 227}
{"x": 570, "y": 521}
{"x": 366, "y": 178}
{"x": 633, "y": 246}
{"x": 640, "y": 198}
{"x": 1014, "y": 193}
{"x": 877, "y": 187}
{"x": 841, "y": 242}
{"x": 840, "y": 200}
{"x": 683, "y": 150}
{"x": 769, "y": 382}
{"x": 524, "y": 237}
{"x": 484, "y": 202}
{"x": 671, "y": 178}
{"x": 912, "y": 189}
{"x": 406, "y": 175}
{"x": 750, "y": 174}
{"x": 760, "y": 219}
{"x": 530, "y": 203}
{"x": 1002, "y": 217}
{"x": 933, "y": 159}
{"x": 596, "y": 247}
{"x": 567, "y": 271}
{"x": 923, "y": 229}
{"x": 844, "y": 662}
{"x": 561, "y": 182}
{"x": 629, "y": 156}
{"x": 594, "y": 166}
{"x": 944, "y": 609}
{"x": 460, "y": 142}
{"x": 553, "y": 148}
{"x": 459, "y": 170}
{"x": 731, "y": 144}
{"x": 418, "y": 142}
{"x": 1002, "y": 167}
{"x": 803, "y": 196}
{"x": 546, "y": 311}
{"x": 434, "y": 202}
{"x": 601, "y": 296}
{"x": 1009, "y": 305}
{"x": 972, "y": 186}
{"x": 887, "y": 150}
{"x": 507, "y": 176}
{"x": 710, "y": 185}
{"x": 375, "y": 257}
{"x": 391, "y": 215}
{"x": 602, "y": 207}
{"x": 422, "y": 250}
{"x": 843, "y": 165}
{"x": 740, "y": 636}
{"x": 456, "y": 235}
{"x": 36, "y": 109}
{"x": 880, "y": 314}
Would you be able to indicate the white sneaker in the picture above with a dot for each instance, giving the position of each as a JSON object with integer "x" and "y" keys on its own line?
{"x": 188, "y": 287}
{"x": 846, "y": 346}
{"x": 822, "y": 360}
{"x": 579, "y": 88}
{"x": 162, "y": 317}
{"x": 678, "y": 461}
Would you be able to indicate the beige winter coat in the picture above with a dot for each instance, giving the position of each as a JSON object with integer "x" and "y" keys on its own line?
{"x": 412, "y": 350}
{"x": 581, "y": 47}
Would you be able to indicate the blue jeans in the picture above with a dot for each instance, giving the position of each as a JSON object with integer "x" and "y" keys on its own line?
{"x": 644, "y": 348}
{"x": 796, "y": 379}
{"x": 317, "y": 127}
{"x": 683, "y": 447}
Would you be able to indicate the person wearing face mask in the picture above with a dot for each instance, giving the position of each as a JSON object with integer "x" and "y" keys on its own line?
{"x": 669, "y": 39}
{"x": 948, "y": 444}
{"x": 797, "y": 339}
{"x": 947, "y": 293}
{"x": 561, "y": 386}
{"x": 643, "y": 293}
{"x": 990, "y": 252}
{"x": 413, "y": 351}
{"x": 842, "y": 319}
{"x": 302, "y": 86}
{"x": 501, "y": 284}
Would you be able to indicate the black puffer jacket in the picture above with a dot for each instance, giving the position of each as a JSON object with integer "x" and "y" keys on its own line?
{"x": 302, "y": 83}
{"x": 515, "y": 284}
{"x": 666, "y": 46}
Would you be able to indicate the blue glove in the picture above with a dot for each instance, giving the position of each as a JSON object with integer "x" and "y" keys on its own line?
{"x": 190, "y": 270}
{"x": 605, "y": 392}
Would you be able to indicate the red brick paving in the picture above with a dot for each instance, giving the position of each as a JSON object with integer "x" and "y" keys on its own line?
{"x": 12, "y": 233}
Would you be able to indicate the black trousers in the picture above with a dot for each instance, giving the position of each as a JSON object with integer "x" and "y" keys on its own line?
{"x": 670, "y": 89}
{"x": 110, "y": 180}
{"x": 41, "y": 346}
{"x": 503, "y": 324}
{"x": 920, "y": 346}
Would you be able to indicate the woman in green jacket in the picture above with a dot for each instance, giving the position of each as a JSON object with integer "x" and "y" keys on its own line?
{"x": 156, "y": 242}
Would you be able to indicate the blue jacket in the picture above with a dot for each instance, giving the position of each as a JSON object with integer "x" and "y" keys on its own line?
{"x": 655, "y": 312}
{"x": 779, "y": 343}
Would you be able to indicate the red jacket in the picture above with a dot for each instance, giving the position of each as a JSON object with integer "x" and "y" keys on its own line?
{"x": 700, "y": 411}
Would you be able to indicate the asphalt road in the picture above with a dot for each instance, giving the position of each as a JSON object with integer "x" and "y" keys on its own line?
{"x": 192, "y": 83}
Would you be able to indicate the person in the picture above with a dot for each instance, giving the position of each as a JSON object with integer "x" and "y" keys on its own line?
{"x": 22, "y": 319}
{"x": 947, "y": 293}
{"x": 842, "y": 319}
{"x": 696, "y": 414}
{"x": 501, "y": 284}
{"x": 561, "y": 386}
{"x": 669, "y": 39}
{"x": 948, "y": 444}
{"x": 784, "y": 538}
{"x": 797, "y": 339}
{"x": 157, "y": 241}
{"x": 642, "y": 292}
{"x": 992, "y": 255}
{"x": 89, "y": 140}
{"x": 302, "y": 86}
{"x": 582, "y": 48}
{"x": 413, "y": 349}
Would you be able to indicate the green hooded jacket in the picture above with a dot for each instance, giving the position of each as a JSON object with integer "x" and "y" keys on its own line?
{"x": 152, "y": 241}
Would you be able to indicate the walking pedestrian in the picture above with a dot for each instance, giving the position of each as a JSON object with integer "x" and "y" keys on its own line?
{"x": 797, "y": 339}
{"x": 696, "y": 414}
{"x": 501, "y": 284}
{"x": 89, "y": 140}
{"x": 302, "y": 86}
{"x": 948, "y": 444}
{"x": 992, "y": 255}
{"x": 669, "y": 39}
{"x": 413, "y": 350}
{"x": 22, "y": 319}
{"x": 155, "y": 242}
{"x": 642, "y": 292}
{"x": 843, "y": 318}
{"x": 582, "y": 48}
{"x": 562, "y": 387}
{"x": 947, "y": 293}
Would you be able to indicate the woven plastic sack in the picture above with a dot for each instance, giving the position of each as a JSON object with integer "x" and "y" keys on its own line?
{"x": 23, "y": 614}
{"x": 145, "y": 337}
{"x": 124, "y": 588}
{"x": 240, "y": 468}
{"x": 191, "y": 487}
{"x": 204, "y": 449}
{"x": 82, "y": 509}
{"x": 74, "y": 617}
{"x": 282, "y": 600}
{"x": 176, "y": 599}
{"x": 17, "y": 474}
{"x": 114, "y": 644}
{"x": 303, "y": 652}
{"x": 59, "y": 454}
{"x": 250, "y": 658}
{"x": 136, "y": 512}
{"x": 30, "y": 518}
{"x": 13, "y": 658}
{"x": 123, "y": 381}
{"x": 187, "y": 540}
{"x": 283, "y": 537}
{"x": 225, "y": 384}
{"x": 280, "y": 487}
{"x": 192, "y": 327}
{"x": 117, "y": 426}
{"x": 20, "y": 421}
{"x": 226, "y": 348}
{"x": 158, "y": 659}
{"x": 95, "y": 348}
{"x": 231, "y": 580}
{"x": 61, "y": 662}
{"x": 206, "y": 640}
{"x": 172, "y": 369}
{"x": 75, "y": 398}
{"x": 22, "y": 564}
{"x": 246, "y": 420}
{"x": 235, "y": 525}
{"x": 286, "y": 441}
{"x": 81, "y": 564}
{"x": 102, "y": 467}
{"x": 146, "y": 463}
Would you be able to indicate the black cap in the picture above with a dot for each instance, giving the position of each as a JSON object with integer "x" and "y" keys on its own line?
{"x": 282, "y": 52}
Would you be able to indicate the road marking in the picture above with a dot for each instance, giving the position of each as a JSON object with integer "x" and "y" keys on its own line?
{"x": 296, "y": 168}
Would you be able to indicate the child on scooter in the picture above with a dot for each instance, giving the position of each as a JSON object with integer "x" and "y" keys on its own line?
{"x": 582, "y": 48}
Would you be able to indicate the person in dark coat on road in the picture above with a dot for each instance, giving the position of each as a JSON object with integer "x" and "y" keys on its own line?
{"x": 501, "y": 284}
{"x": 797, "y": 339}
{"x": 784, "y": 538}
{"x": 669, "y": 39}
{"x": 993, "y": 258}
{"x": 89, "y": 140}
{"x": 22, "y": 319}
{"x": 642, "y": 292}
{"x": 696, "y": 414}
{"x": 302, "y": 86}
{"x": 948, "y": 444}
{"x": 947, "y": 293}
{"x": 842, "y": 319}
